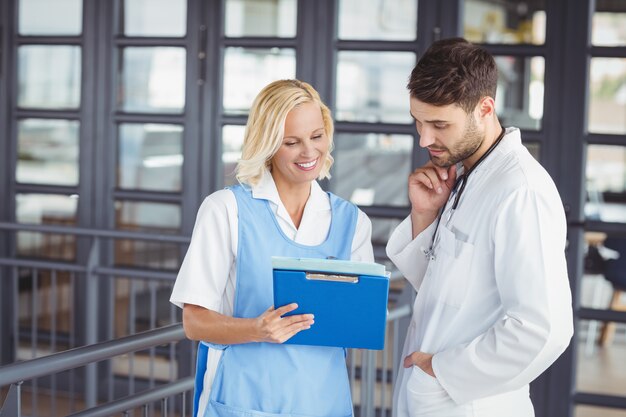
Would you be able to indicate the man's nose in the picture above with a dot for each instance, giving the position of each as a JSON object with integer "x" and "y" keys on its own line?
{"x": 427, "y": 137}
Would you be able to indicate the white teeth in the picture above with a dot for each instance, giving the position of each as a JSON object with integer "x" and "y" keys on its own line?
{"x": 308, "y": 164}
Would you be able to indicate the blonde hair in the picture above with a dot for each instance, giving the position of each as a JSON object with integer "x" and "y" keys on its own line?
{"x": 265, "y": 129}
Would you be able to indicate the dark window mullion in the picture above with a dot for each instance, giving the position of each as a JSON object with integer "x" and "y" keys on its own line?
{"x": 606, "y": 139}
{"x": 24, "y": 188}
{"x": 158, "y": 118}
{"x": 211, "y": 97}
{"x": 392, "y": 128}
{"x": 609, "y": 228}
{"x": 375, "y": 46}
{"x": 49, "y": 40}
{"x": 147, "y": 196}
{"x": 532, "y": 135}
{"x": 228, "y": 119}
{"x": 22, "y": 113}
{"x": 260, "y": 42}
{"x": 123, "y": 42}
{"x": 516, "y": 50}
{"x": 608, "y": 51}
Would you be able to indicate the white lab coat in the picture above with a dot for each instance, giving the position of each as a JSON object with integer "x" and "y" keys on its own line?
{"x": 208, "y": 275}
{"x": 494, "y": 304}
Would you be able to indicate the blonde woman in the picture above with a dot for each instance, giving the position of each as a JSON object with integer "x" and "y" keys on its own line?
{"x": 225, "y": 283}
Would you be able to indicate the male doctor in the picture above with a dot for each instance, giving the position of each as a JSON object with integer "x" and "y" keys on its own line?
{"x": 483, "y": 246}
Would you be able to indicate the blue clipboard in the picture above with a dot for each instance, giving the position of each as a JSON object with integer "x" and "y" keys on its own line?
{"x": 348, "y": 299}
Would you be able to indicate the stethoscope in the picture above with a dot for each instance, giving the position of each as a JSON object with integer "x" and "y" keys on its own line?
{"x": 457, "y": 191}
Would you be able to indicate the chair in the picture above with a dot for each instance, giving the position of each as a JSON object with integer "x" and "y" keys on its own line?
{"x": 615, "y": 273}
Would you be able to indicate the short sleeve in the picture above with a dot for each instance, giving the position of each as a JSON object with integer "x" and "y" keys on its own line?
{"x": 362, "y": 250}
{"x": 204, "y": 273}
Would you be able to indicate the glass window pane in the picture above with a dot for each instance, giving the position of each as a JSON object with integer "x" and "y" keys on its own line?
{"x": 142, "y": 304}
{"x": 153, "y": 80}
{"x": 147, "y": 217}
{"x": 45, "y": 17}
{"x": 47, "y": 152}
{"x": 49, "y": 76}
{"x": 508, "y": 21}
{"x": 607, "y": 90}
{"x": 150, "y": 157}
{"x": 371, "y": 86}
{"x": 382, "y": 230}
{"x": 275, "y": 18}
{"x": 154, "y": 17}
{"x": 601, "y": 369}
{"x": 247, "y": 71}
{"x": 382, "y": 20}
{"x": 609, "y": 23}
{"x": 232, "y": 141}
{"x": 372, "y": 169}
{"x": 46, "y": 209}
{"x": 606, "y": 183}
{"x": 591, "y": 411}
{"x": 519, "y": 99}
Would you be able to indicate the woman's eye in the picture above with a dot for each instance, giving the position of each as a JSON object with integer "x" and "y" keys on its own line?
{"x": 290, "y": 143}
{"x": 317, "y": 137}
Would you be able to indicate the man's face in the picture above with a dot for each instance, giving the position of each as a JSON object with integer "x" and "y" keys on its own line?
{"x": 449, "y": 134}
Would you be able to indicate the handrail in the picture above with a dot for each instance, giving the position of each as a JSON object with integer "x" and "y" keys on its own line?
{"x": 137, "y": 400}
{"x": 34, "y": 263}
{"x": 98, "y": 270}
{"x": 74, "y": 358}
{"x": 86, "y": 232}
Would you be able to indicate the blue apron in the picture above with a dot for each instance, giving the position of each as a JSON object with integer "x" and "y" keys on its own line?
{"x": 269, "y": 379}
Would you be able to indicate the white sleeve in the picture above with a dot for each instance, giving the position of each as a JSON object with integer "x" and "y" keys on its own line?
{"x": 528, "y": 235}
{"x": 362, "y": 250}
{"x": 203, "y": 276}
{"x": 408, "y": 254}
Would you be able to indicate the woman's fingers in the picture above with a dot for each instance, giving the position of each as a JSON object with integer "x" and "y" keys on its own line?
{"x": 276, "y": 329}
{"x": 291, "y": 330}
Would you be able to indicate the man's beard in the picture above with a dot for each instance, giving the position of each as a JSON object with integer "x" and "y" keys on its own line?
{"x": 472, "y": 138}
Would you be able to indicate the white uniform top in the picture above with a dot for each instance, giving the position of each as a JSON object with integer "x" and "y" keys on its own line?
{"x": 493, "y": 301}
{"x": 208, "y": 274}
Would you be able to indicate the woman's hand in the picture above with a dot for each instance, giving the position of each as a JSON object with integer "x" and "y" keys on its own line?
{"x": 273, "y": 328}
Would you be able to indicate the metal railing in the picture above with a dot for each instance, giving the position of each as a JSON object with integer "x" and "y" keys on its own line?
{"x": 372, "y": 373}
{"x": 15, "y": 374}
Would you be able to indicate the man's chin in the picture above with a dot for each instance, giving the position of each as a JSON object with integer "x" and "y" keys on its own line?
{"x": 441, "y": 162}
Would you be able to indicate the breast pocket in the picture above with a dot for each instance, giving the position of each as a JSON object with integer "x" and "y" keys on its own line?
{"x": 453, "y": 258}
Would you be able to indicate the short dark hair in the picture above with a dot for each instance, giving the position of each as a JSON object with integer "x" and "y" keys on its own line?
{"x": 454, "y": 71}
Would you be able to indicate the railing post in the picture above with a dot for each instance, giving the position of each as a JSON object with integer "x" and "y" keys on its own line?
{"x": 91, "y": 321}
{"x": 12, "y": 406}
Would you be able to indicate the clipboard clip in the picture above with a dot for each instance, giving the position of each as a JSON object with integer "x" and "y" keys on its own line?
{"x": 318, "y": 276}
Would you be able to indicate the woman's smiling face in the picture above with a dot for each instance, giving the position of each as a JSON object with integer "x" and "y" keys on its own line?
{"x": 304, "y": 149}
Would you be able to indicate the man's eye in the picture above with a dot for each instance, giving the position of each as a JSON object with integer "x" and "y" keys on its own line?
{"x": 440, "y": 126}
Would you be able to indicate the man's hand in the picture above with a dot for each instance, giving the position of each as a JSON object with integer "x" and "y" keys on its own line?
{"x": 421, "y": 360}
{"x": 429, "y": 189}
{"x": 430, "y": 186}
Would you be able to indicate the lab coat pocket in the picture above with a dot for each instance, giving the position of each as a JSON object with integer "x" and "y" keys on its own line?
{"x": 426, "y": 396}
{"x": 422, "y": 384}
{"x": 454, "y": 262}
